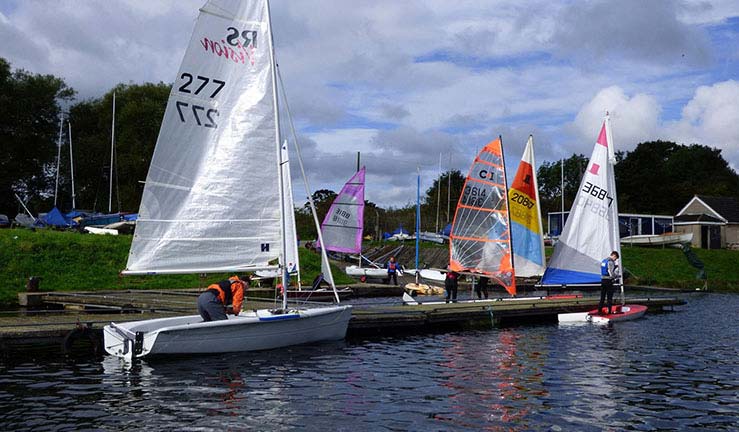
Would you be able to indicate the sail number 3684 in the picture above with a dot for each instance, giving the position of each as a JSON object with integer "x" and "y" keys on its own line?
{"x": 473, "y": 196}
{"x": 203, "y": 116}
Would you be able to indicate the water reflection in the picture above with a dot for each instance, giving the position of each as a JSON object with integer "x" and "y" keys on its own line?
{"x": 666, "y": 372}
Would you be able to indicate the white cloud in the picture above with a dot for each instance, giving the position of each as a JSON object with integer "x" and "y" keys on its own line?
{"x": 711, "y": 118}
{"x": 634, "y": 119}
{"x": 404, "y": 81}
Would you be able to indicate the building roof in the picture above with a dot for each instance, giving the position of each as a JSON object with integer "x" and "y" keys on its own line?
{"x": 724, "y": 208}
{"x": 696, "y": 218}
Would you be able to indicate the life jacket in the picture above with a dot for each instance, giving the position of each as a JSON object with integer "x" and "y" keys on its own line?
{"x": 392, "y": 266}
{"x": 604, "y": 267}
{"x": 228, "y": 294}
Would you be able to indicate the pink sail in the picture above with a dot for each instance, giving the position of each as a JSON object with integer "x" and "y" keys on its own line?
{"x": 342, "y": 227}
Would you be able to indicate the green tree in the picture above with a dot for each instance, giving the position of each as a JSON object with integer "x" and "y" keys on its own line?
{"x": 139, "y": 113}
{"x": 549, "y": 177}
{"x": 661, "y": 177}
{"x": 29, "y": 121}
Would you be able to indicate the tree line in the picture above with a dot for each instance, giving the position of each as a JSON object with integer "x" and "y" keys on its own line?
{"x": 657, "y": 177}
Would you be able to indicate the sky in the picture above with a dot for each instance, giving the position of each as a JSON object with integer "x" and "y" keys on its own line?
{"x": 415, "y": 85}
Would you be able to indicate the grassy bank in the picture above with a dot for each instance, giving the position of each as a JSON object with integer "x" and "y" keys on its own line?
{"x": 69, "y": 261}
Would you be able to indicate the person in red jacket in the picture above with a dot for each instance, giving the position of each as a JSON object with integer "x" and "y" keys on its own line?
{"x": 226, "y": 296}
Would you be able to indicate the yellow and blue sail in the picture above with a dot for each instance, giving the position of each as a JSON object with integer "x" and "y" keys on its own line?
{"x": 525, "y": 214}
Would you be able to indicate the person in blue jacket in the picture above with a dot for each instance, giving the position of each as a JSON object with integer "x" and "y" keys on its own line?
{"x": 609, "y": 273}
{"x": 393, "y": 267}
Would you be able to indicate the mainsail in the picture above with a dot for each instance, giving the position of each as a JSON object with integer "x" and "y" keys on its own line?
{"x": 342, "y": 227}
{"x": 480, "y": 239}
{"x": 591, "y": 231}
{"x": 525, "y": 212}
{"x": 211, "y": 203}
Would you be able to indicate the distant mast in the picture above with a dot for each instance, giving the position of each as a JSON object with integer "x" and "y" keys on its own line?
{"x": 58, "y": 156}
{"x": 71, "y": 164}
{"x": 112, "y": 151}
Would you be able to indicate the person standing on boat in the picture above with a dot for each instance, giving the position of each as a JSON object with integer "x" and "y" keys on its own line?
{"x": 393, "y": 267}
{"x": 213, "y": 304}
{"x": 450, "y": 286}
{"x": 609, "y": 272}
{"x": 482, "y": 287}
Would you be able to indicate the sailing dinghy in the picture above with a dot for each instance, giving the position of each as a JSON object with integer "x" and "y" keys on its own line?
{"x": 480, "y": 239}
{"x": 213, "y": 200}
{"x": 591, "y": 232}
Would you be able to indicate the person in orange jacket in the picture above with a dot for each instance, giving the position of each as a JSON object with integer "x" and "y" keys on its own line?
{"x": 213, "y": 304}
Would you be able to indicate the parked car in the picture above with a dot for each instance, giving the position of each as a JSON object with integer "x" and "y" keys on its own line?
{"x": 4, "y": 221}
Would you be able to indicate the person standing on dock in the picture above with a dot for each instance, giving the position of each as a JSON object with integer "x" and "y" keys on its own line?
{"x": 213, "y": 304}
{"x": 393, "y": 267}
{"x": 482, "y": 287}
{"x": 608, "y": 273}
{"x": 451, "y": 285}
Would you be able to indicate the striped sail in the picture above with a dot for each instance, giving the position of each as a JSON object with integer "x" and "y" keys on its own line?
{"x": 211, "y": 202}
{"x": 480, "y": 239}
{"x": 591, "y": 231}
{"x": 525, "y": 211}
{"x": 342, "y": 227}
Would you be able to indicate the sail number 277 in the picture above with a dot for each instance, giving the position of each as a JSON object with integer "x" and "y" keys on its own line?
{"x": 203, "y": 116}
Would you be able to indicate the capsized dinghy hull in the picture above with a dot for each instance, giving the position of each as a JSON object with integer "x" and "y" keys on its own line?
{"x": 249, "y": 331}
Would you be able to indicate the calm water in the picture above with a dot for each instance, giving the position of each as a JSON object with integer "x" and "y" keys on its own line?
{"x": 675, "y": 371}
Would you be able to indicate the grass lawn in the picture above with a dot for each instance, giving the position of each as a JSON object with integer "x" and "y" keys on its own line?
{"x": 70, "y": 261}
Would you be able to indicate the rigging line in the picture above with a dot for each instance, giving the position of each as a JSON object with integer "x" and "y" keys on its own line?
{"x": 324, "y": 257}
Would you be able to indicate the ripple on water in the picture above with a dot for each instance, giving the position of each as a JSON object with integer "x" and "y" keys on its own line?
{"x": 673, "y": 371}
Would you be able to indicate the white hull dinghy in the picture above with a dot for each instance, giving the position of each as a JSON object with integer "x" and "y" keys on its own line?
{"x": 249, "y": 331}
{"x": 217, "y": 198}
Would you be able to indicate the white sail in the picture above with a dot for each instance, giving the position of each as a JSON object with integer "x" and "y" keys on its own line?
{"x": 292, "y": 261}
{"x": 591, "y": 231}
{"x": 211, "y": 202}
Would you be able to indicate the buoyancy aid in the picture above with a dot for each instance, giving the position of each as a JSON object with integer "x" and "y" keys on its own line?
{"x": 604, "y": 267}
{"x": 392, "y": 266}
{"x": 230, "y": 292}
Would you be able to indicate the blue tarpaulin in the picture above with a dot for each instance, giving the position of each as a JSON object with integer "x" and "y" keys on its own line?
{"x": 55, "y": 218}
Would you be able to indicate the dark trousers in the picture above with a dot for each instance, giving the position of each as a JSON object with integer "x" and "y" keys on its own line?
{"x": 480, "y": 289}
{"x": 210, "y": 308}
{"x": 450, "y": 286}
{"x": 392, "y": 277}
{"x": 606, "y": 290}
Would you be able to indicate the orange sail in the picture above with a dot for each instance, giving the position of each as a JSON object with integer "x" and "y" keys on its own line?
{"x": 480, "y": 239}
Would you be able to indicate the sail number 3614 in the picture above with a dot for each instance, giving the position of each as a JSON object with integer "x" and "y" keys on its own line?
{"x": 203, "y": 116}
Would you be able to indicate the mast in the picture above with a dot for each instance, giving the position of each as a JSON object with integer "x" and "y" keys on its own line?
{"x": 112, "y": 150}
{"x": 418, "y": 216}
{"x": 614, "y": 211}
{"x": 283, "y": 226}
{"x": 71, "y": 163}
{"x": 58, "y": 156}
{"x": 438, "y": 195}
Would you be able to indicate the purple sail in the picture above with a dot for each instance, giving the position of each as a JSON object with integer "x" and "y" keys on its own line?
{"x": 342, "y": 227}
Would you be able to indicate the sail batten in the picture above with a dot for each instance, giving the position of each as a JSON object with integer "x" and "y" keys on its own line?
{"x": 479, "y": 240}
